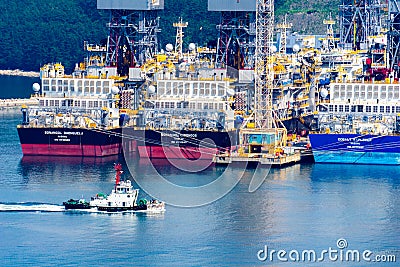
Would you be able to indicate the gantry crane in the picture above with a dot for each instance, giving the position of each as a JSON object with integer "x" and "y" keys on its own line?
{"x": 264, "y": 69}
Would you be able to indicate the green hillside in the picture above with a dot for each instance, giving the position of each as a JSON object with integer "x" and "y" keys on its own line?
{"x": 35, "y": 32}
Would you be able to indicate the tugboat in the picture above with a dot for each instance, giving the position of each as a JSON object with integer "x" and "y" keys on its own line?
{"x": 122, "y": 198}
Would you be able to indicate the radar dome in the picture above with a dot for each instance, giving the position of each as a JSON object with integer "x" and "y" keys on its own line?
{"x": 36, "y": 87}
{"x": 323, "y": 93}
{"x": 169, "y": 47}
{"x": 114, "y": 90}
{"x": 151, "y": 89}
{"x": 192, "y": 46}
{"x": 296, "y": 48}
{"x": 230, "y": 92}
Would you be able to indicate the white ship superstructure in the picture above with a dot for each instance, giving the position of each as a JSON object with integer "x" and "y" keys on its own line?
{"x": 74, "y": 100}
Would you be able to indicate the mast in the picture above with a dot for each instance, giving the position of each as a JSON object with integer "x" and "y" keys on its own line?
{"x": 118, "y": 171}
{"x": 283, "y": 34}
{"x": 330, "y": 38}
{"x": 179, "y": 37}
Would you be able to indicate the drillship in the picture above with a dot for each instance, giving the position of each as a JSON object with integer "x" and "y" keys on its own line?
{"x": 69, "y": 116}
{"x": 358, "y": 112}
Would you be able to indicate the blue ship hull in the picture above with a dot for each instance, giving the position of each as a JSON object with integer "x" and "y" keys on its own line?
{"x": 356, "y": 149}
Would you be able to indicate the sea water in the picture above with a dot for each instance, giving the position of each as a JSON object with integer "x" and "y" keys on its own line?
{"x": 335, "y": 211}
{"x": 16, "y": 86}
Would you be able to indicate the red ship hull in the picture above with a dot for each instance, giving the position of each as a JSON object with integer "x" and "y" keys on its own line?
{"x": 70, "y": 150}
{"x": 159, "y": 152}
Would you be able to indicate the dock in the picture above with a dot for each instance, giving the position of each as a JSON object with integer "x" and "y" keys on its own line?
{"x": 17, "y": 102}
{"x": 21, "y": 73}
{"x": 259, "y": 158}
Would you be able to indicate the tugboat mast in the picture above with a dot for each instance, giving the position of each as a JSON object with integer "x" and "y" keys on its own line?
{"x": 118, "y": 172}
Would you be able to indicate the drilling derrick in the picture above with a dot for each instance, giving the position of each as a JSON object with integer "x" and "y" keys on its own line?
{"x": 264, "y": 69}
{"x": 133, "y": 28}
{"x": 236, "y": 45}
{"x": 360, "y": 19}
{"x": 394, "y": 35}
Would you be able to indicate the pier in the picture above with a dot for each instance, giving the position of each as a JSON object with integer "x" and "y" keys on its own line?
{"x": 260, "y": 158}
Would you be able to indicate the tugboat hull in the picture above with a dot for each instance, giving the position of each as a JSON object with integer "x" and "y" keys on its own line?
{"x": 121, "y": 209}
{"x": 73, "y": 204}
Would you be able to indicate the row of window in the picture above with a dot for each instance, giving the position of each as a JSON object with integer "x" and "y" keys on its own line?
{"x": 362, "y": 108}
{"x": 366, "y": 92}
{"x": 195, "y": 88}
{"x": 89, "y": 86}
{"x": 190, "y": 105}
{"x": 73, "y": 103}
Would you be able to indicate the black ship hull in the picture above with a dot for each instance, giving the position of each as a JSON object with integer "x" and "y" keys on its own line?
{"x": 69, "y": 141}
{"x": 189, "y": 144}
{"x": 299, "y": 125}
{"x": 83, "y": 142}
